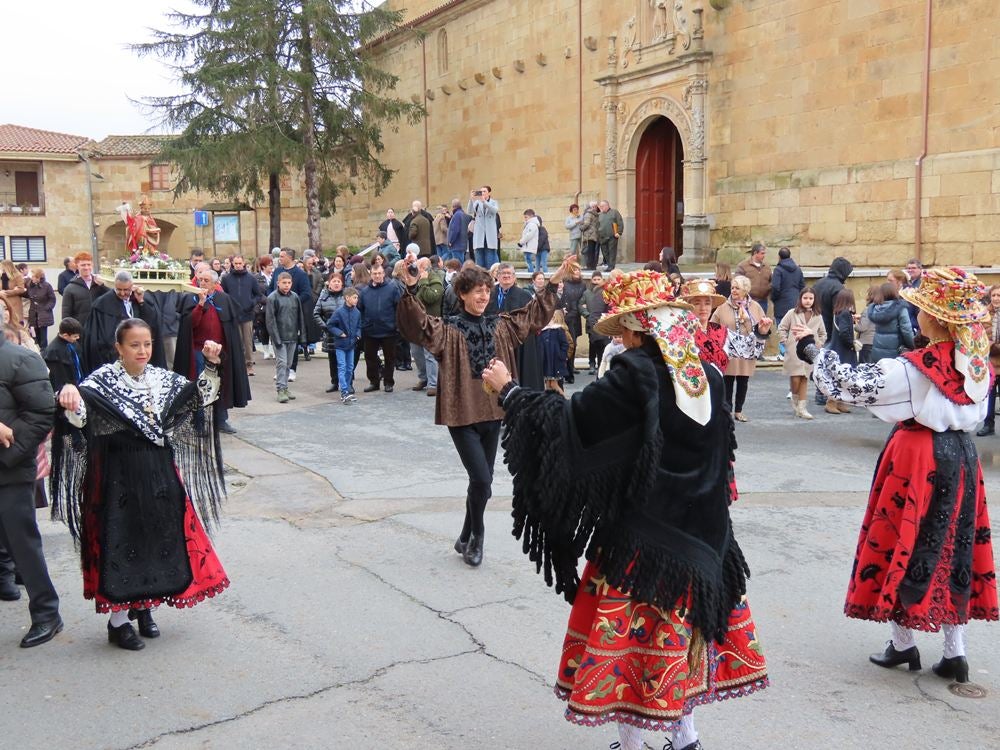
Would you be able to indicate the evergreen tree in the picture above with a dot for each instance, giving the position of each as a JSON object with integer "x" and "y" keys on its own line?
{"x": 272, "y": 86}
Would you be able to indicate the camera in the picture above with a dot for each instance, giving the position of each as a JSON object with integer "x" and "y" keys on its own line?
{"x": 413, "y": 270}
{"x": 478, "y": 192}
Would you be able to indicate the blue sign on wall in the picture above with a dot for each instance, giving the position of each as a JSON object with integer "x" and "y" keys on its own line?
{"x": 201, "y": 218}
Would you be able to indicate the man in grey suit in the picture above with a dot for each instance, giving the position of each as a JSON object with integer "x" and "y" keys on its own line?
{"x": 485, "y": 236}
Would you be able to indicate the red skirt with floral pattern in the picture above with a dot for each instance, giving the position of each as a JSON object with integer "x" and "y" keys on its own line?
{"x": 900, "y": 498}
{"x": 630, "y": 662}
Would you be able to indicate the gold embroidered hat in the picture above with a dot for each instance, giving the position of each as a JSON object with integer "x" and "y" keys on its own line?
{"x": 949, "y": 294}
{"x": 635, "y": 292}
{"x": 700, "y": 288}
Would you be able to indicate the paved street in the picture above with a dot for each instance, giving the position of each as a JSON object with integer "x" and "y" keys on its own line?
{"x": 351, "y": 623}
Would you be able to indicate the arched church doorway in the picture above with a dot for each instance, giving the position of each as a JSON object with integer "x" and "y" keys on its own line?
{"x": 659, "y": 191}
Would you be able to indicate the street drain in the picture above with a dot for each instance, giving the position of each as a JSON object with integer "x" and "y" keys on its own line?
{"x": 967, "y": 690}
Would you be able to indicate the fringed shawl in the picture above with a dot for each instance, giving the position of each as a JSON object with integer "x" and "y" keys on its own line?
{"x": 182, "y": 420}
{"x": 622, "y": 475}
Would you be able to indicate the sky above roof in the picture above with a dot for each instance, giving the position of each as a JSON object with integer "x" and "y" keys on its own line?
{"x": 75, "y": 73}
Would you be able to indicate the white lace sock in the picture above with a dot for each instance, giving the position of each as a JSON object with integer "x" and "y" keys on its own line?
{"x": 119, "y": 618}
{"x": 684, "y": 733}
{"x": 902, "y": 638}
{"x": 630, "y": 736}
{"x": 954, "y": 641}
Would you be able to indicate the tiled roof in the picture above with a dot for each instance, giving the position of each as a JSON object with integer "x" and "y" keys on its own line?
{"x": 130, "y": 145}
{"x": 30, "y": 140}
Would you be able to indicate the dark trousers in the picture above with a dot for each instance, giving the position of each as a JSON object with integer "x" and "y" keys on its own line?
{"x": 590, "y": 255}
{"x": 991, "y": 405}
{"x": 20, "y": 538}
{"x": 609, "y": 250}
{"x": 739, "y": 383}
{"x": 42, "y": 337}
{"x": 477, "y": 447}
{"x": 597, "y": 347}
{"x": 403, "y": 356}
{"x": 388, "y": 347}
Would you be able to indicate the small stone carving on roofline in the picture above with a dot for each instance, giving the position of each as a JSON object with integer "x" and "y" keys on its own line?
{"x": 541, "y": 59}
{"x": 446, "y": 89}
{"x": 519, "y": 66}
{"x": 429, "y": 94}
{"x": 497, "y": 73}
{"x": 480, "y": 78}
{"x": 590, "y": 43}
{"x": 463, "y": 84}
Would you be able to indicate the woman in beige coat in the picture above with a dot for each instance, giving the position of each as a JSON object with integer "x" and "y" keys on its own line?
{"x": 748, "y": 327}
{"x": 796, "y": 369}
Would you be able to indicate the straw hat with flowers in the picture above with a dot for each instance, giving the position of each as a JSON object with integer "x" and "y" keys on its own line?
{"x": 700, "y": 288}
{"x": 635, "y": 292}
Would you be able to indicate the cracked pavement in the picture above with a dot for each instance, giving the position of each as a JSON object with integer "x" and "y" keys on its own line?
{"x": 351, "y": 622}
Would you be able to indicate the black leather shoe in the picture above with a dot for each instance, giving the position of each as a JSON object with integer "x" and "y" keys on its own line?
{"x": 421, "y": 384}
{"x": 147, "y": 628}
{"x": 893, "y": 658}
{"x": 388, "y": 389}
{"x": 9, "y": 592}
{"x": 956, "y": 668}
{"x": 333, "y": 388}
{"x": 460, "y": 546}
{"x": 124, "y": 636}
{"x": 473, "y": 554}
{"x": 227, "y": 428}
{"x": 986, "y": 429}
{"x": 371, "y": 388}
{"x": 42, "y": 632}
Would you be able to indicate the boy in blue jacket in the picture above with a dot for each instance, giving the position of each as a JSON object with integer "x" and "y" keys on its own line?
{"x": 344, "y": 327}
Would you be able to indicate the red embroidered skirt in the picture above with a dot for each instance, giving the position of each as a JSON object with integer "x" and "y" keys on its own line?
{"x": 899, "y": 501}
{"x": 630, "y": 662}
{"x": 208, "y": 578}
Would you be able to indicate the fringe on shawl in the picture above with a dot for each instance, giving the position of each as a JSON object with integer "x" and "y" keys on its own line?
{"x": 559, "y": 516}
{"x": 190, "y": 433}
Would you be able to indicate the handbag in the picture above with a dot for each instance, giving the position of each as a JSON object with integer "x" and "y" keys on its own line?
{"x": 743, "y": 345}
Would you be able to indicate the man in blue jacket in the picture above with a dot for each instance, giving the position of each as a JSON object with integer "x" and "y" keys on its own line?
{"x": 241, "y": 286}
{"x": 377, "y": 304}
{"x": 458, "y": 233}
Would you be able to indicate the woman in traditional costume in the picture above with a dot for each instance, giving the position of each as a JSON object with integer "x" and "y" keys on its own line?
{"x": 924, "y": 558}
{"x": 137, "y": 447}
{"x": 710, "y": 337}
{"x": 464, "y": 345}
{"x": 633, "y": 472}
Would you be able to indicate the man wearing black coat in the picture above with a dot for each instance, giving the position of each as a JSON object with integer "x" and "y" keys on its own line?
{"x": 506, "y": 297}
{"x": 27, "y": 407}
{"x": 80, "y": 293}
{"x": 243, "y": 290}
{"x": 573, "y": 289}
{"x": 107, "y": 312}
{"x": 212, "y": 316}
{"x": 787, "y": 282}
{"x": 829, "y": 286}
{"x": 399, "y": 242}
{"x": 66, "y": 275}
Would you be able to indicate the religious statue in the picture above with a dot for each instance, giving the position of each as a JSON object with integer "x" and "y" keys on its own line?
{"x": 142, "y": 236}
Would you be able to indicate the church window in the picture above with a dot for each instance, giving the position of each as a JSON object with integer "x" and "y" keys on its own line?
{"x": 442, "y": 52}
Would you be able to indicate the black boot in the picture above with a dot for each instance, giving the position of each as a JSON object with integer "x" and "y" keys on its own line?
{"x": 124, "y": 636}
{"x": 460, "y": 546}
{"x": 986, "y": 429}
{"x": 473, "y": 554}
{"x": 893, "y": 658}
{"x": 147, "y": 628}
{"x": 956, "y": 668}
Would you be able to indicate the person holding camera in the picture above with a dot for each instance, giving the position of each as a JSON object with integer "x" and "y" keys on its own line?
{"x": 484, "y": 211}
{"x": 464, "y": 345}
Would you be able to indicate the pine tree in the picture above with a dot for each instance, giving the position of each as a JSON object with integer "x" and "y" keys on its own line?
{"x": 272, "y": 86}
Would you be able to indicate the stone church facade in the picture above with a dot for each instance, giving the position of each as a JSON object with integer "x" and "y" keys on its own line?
{"x": 836, "y": 127}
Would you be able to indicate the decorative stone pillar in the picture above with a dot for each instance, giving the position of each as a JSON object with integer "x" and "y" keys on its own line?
{"x": 695, "y": 225}
{"x": 610, "y": 108}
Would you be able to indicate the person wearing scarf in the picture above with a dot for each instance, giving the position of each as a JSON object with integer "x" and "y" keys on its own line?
{"x": 924, "y": 558}
{"x": 135, "y": 457}
{"x": 633, "y": 473}
{"x": 747, "y": 327}
{"x": 710, "y": 337}
{"x": 463, "y": 345}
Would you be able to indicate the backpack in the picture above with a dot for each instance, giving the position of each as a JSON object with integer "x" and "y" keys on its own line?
{"x": 543, "y": 238}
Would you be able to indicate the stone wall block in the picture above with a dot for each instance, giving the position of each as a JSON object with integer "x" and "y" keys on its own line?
{"x": 877, "y": 231}
{"x": 944, "y": 206}
{"x": 987, "y": 228}
{"x": 816, "y": 196}
{"x": 984, "y": 161}
{"x": 783, "y": 198}
{"x": 767, "y": 217}
{"x": 957, "y": 229}
{"x": 834, "y": 176}
{"x": 834, "y": 233}
{"x": 965, "y": 183}
{"x": 831, "y": 214}
{"x": 852, "y": 192}
{"x": 794, "y": 215}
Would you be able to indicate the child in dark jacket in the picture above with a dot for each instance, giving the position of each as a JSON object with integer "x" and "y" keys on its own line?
{"x": 63, "y": 355}
{"x": 344, "y": 327}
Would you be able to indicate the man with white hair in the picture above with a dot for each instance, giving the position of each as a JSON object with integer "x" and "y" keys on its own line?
{"x": 210, "y": 315}
{"x": 107, "y": 311}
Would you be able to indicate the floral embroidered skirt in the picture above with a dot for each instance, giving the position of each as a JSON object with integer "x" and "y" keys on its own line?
{"x": 630, "y": 662}
{"x": 912, "y": 532}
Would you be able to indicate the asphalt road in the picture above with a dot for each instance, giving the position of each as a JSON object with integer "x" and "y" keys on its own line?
{"x": 351, "y": 623}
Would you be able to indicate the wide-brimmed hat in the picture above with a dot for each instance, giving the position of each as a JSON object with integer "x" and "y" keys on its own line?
{"x": 949, "y": 294}
{"x": 700, "y": 288}
{"x": 635, "y": 292}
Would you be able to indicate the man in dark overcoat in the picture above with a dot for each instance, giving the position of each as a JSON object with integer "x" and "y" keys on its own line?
{"x": 107, "y": 311}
